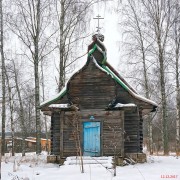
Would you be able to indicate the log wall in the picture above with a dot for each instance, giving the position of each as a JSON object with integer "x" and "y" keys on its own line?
{"x": 94, "y": 90}
{"x": 92, "y": 87}
{"x": 133, "y": 132}
{"x": 63, "y": 135}
{"x": 55, "y": 133}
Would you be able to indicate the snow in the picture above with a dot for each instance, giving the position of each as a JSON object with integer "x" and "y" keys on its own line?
{"x": 59, "y": 105}
{"x": 125, "y": 105}
{"x": 105, "y": 161}
{"x": 100, "y": 48}
{"x": 109, "y": 72}
{"x": 102, "y": 45}
{"x": 34, "y": 167}
{"x": 18, "y": 138}
{"x": 98, "y": 66}
{"x": 134, "y": 94}
{"x": 55, "y": 97}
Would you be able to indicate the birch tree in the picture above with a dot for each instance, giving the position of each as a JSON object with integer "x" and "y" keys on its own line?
{"x": 150, "y": 23}
{"x": 28, "y": 105}
{"x": 22, "y": 117}
{"x": 176, "y": 40}
{"x": 11, "y": 108}
{"x": 137, "y": 44}
{"x": 29, "y": 23}
{"x": 72, "y": 20}
{"x": 160, "y": 23}
{"x": 43, "y": 96}
{"x": 3, "y": 85}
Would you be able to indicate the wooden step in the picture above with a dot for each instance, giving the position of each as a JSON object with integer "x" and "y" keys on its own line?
{"x": 105, "y": 161}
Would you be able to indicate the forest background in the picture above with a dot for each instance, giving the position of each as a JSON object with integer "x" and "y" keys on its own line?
{"x": 44, "y": 41}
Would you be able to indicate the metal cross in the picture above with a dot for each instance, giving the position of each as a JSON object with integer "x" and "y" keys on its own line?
{"x": 98, "y": 17}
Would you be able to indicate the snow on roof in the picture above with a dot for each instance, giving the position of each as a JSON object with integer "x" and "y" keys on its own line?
{"x": 107, "y": 70}
{"x": 59, "y": 105}
{"x": 58, "y": 96}
{"x": 29, "y": 140}
{"x": 30, "y": 137}
{"x": 98, "y": 66}
{"x": 137, "y": 96}
{"x": 125, "y": 105}
{"x": 120, "y": 77}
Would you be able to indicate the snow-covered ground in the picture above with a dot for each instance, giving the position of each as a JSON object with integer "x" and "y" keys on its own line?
{"x": 32, "y": 167}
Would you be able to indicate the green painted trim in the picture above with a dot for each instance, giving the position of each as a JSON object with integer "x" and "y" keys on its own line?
{"x": 103, "y": 66}
{"x": 105, "y": 59}
{"x": 92, "y": 51}
{"x": 115, "y": 77}
{"x": 55, "y": 99}
{"x": 94, "y": 48}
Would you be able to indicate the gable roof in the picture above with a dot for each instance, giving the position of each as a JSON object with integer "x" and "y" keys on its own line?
{"x": 98, "y": 48}
{"x": 107, "y": 69}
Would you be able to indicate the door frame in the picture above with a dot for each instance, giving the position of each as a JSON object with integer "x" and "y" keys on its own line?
{"x": 100, "y": 138}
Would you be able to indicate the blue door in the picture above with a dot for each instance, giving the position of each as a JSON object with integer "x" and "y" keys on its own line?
{"x": 91, "y": 138}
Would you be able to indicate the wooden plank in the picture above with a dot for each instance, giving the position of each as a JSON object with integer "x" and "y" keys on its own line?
{"x": 131, "y": 127}
{"x": 55, "y": 133}
{"x": 51, "y": 134}
{"x": 61, "y": 133}
{"x": 112, "y": 131}
{"x": 95, "y": 90}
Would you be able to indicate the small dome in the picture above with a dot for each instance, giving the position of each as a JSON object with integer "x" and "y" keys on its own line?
{"x": 98, "y": 36}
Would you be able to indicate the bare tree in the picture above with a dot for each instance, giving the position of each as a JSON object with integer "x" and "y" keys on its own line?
{"x": 29, "y": 23}
{"x": 138, "y": 45}
{"x": 11, "y": 107}
{"x": 0, "y": 160}
{"x": 160, "y": 22}
{"x": 115, "y": 145}
{"x": 149, "y": 25}
{"x": 28, "y": 105}
{"x": 72, "y": 17}
{"x": 176, "y": 39}
{"x": 3, "y": 79}
{"x": 43, "y": 96}
{"x": 22, "y": 118}
{"x": 76, "y": 133}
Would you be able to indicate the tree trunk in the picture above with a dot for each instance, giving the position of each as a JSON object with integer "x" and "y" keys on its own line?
{"x": 3, "y": 143}
{"x": 11, "y": 112}
{"x": 45, "y": 117}
{"x": 140, "y": 37}
{"x": 164, "y": 104}
{"x": 62, "y": 47}
{"x": 37, "y": 104}
{"x": 177, "y": 104}
{"x": 161, "y": 42}
{"x": 149, "y": 119}
{"x": 160, "y": 15}
{"x": 75, "y": 124}
{"x": 36, "y": 77}
{"x": 22, "y": 119}
{"x": 0, "y": 160}
{"x": 150, "y": 136}
{"x": 177, "y": 53}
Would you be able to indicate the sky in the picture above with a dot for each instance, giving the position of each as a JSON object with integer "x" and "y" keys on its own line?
{"x": 113, "y": 36}
{"x": 110, "y": 30}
